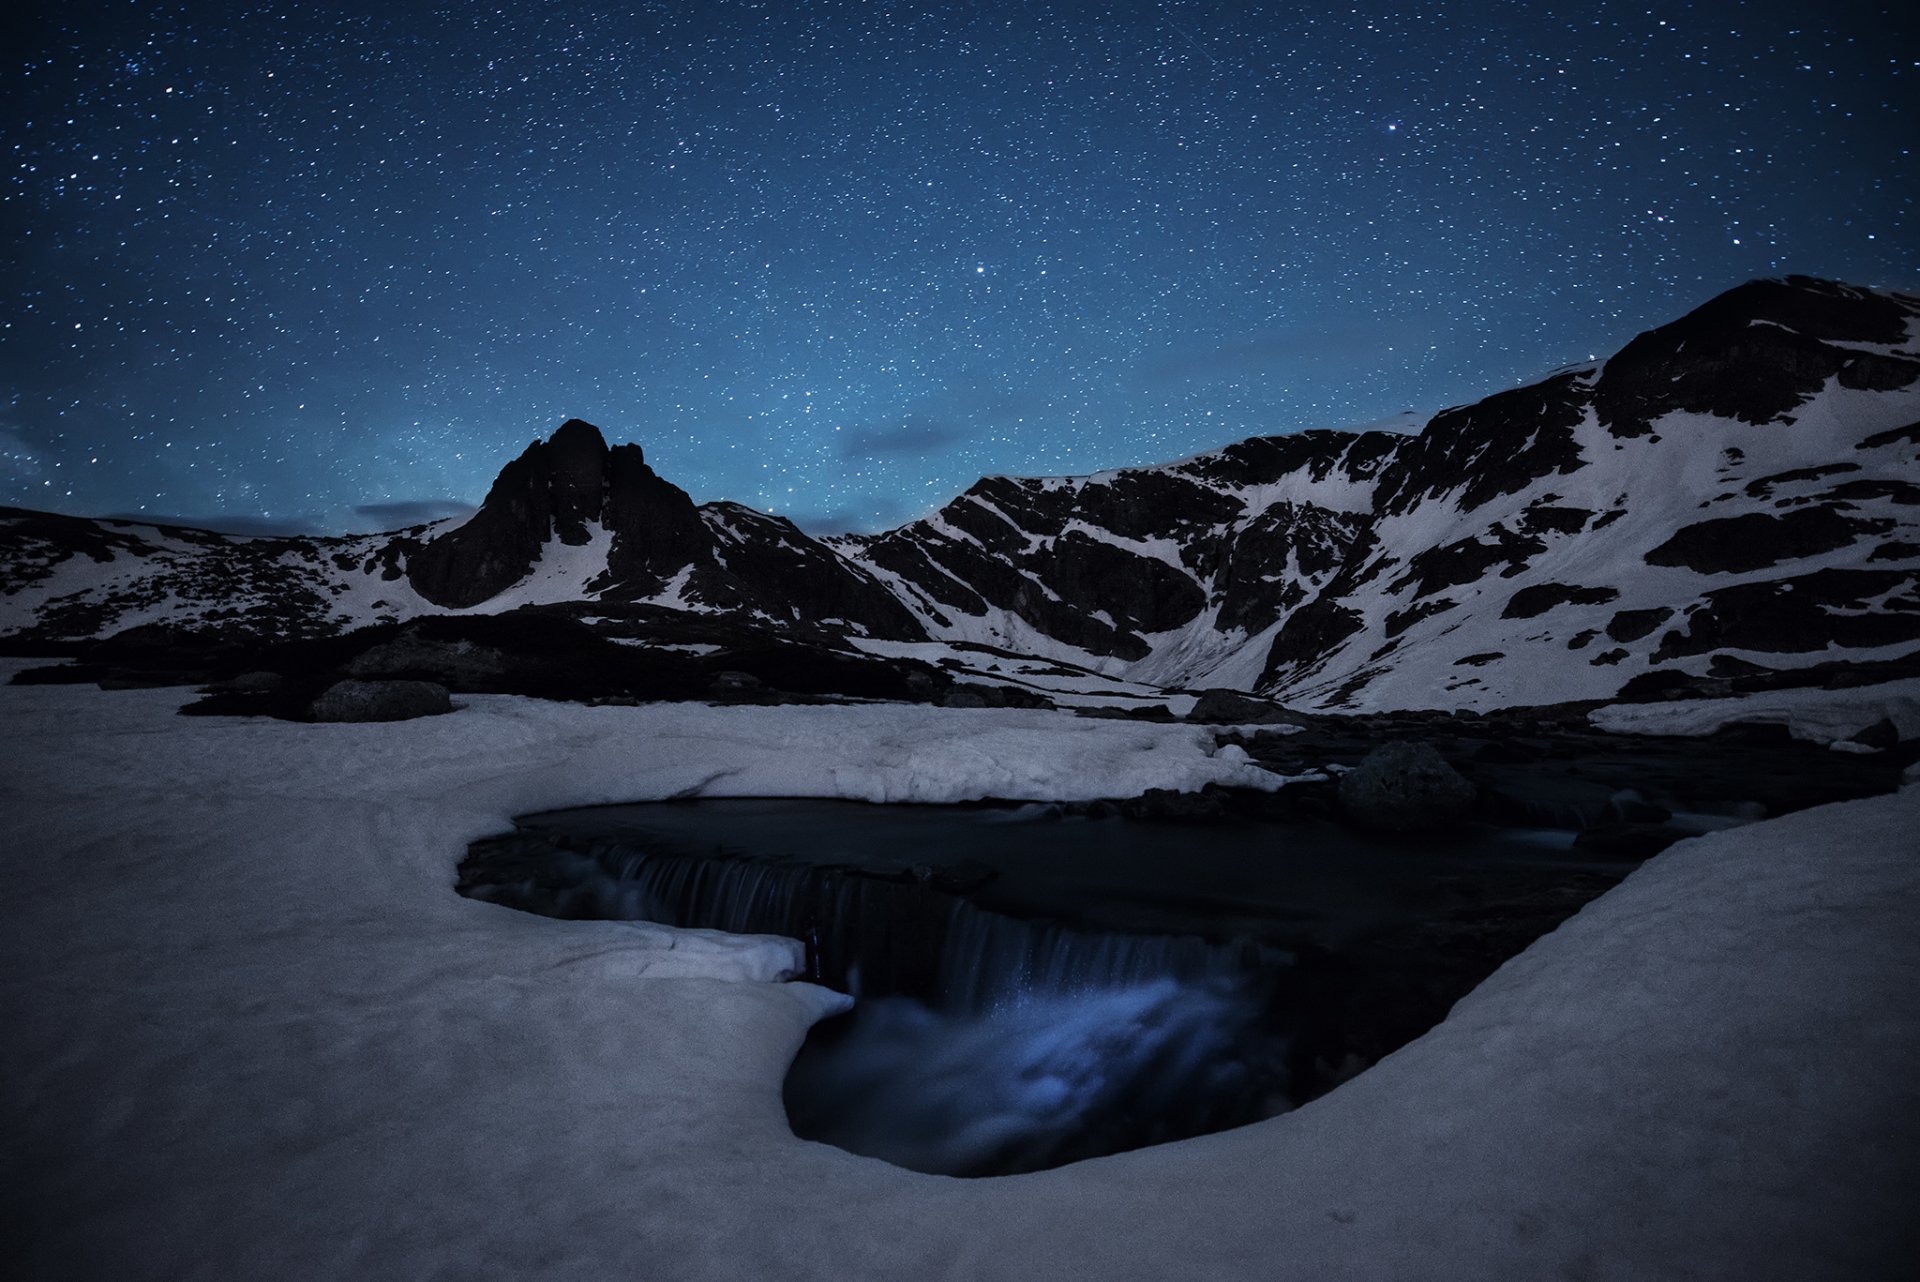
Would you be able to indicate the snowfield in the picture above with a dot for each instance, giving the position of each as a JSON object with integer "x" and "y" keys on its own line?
{"x": 252, "y": 1032}
{"x": 1818, "y": 716}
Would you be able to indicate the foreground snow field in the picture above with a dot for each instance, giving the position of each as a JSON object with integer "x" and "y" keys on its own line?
{"x": 252, "y": 1032}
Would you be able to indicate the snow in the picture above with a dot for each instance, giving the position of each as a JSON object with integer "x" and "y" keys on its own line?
{"x": 1068, "y": 685}
{"x": 1166, "y": 551}
{"x": 1816, "y": 715}
{"x": 252, "y": 1032}
{"x": 1687, "y": 453}
{"x": 561, "y": 574}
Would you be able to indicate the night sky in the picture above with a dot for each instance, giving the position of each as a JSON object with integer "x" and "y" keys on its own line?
{"x": 327, "y": 266}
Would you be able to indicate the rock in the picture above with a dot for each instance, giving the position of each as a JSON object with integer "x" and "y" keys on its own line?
{"x": 1881, "y": 735}
{"x": 380, "y": 701}
{"x": 985, "y": 696}
{"x": 735, "y": 686}
{"x": 1406, "y": 787}
{"x": 249, "y": 683}
{"x": 1756, "y": 540}
{"x": 1632, "y": 625}
{"x": 458, "y": 663}
{"x": 1531, "y": 602}
{"x": 1231, "y": 707}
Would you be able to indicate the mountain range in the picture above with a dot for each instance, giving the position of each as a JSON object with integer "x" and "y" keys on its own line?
{"x": 1736, "y": 492}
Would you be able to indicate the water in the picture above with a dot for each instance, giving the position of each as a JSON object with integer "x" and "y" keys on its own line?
{"x": 1034, "y": 987}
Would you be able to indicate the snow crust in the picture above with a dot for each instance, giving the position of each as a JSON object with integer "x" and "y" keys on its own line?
{"x": 252, "y": 1032}
{"x": 1818, "y": 716}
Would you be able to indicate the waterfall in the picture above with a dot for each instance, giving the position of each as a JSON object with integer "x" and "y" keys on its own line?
{"x": 878, "y": 935}
{"x": 1007, "y": 1018}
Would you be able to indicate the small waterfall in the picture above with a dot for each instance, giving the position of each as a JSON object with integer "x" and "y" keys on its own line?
{"x": 1040, "y": 1082}
{"x": 1003, "y": 1023}
{"x": 982, "y": 1042}
{"x": 880, "y": 934}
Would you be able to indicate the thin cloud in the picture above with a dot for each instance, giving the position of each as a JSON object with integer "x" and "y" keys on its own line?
{"x": 19, "y": 461}
{"x": 405, "y": 512}
{"x": 877, "y": 513}
{"x": 303, "y": 524}
{"x": 913, "y": 434}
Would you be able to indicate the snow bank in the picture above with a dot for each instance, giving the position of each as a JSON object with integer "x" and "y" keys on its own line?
{"x": 1818, "y": 716}
{"x": 252, "y": 1032}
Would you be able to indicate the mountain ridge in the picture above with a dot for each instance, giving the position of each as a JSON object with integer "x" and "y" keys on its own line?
{"x": 1730, "y": 488}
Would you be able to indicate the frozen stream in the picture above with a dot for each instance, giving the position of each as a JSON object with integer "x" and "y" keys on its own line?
{"x": 1034, "y": 986}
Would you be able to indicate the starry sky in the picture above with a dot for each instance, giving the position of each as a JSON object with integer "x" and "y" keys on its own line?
{"x": 327, "y": 267}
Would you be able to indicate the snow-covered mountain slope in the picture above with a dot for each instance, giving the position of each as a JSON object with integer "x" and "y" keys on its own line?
{"x": 1738, "y": 489}
{"x": 69, "y": 578}
{"x": 569, "y": 520}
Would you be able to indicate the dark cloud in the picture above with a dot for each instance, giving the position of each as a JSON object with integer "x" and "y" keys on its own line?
{"x": 398, "y": 515}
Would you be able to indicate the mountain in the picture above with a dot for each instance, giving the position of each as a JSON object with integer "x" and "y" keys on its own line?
{"x": 1731, "y": 493}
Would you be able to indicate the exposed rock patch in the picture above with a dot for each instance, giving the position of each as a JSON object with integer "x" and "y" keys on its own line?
{"x": 1533, "y": 601}
{"x": 380, "y": 701}
{"x": 1404, "y": 787}
{"x": 1756, "y": 540}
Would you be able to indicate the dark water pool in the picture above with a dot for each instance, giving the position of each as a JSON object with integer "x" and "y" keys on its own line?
{"x": 1034, "y": 986}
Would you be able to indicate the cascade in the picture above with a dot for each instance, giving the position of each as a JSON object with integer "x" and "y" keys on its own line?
{"x": 1037, "y": 989}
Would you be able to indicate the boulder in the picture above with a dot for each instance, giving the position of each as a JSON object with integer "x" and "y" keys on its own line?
{"x": 1232, "y": 708}
{"x": 735, "y": 687}
{"x": 258, "y": 682}
{"x": 1404, "y": 787}
{"x": 457, "y": 663}
{"x": 986, "y": 696}
{"x": 1880, "y": 736}
{"x": 380, "y": 701}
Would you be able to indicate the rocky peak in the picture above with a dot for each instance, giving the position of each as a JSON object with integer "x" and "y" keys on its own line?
{"x": 556, "y": 490}
{"x": 1758, "y": 352}
{"x": 577, "y": 478}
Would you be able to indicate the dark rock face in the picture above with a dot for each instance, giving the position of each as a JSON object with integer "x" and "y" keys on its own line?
{"x": 1803, "y": 614}
{"x": 1631, "y": 625}
{"x": 1309, "y": 633}
{"x": 763, "y": 566}
{"x": 1756, "y": 540}
{"x": 553, "y": 492}
{"x": 1755, "y": 353}
{"x": 380, "y": 701}
{"x": 1494, "y": 447}
{"x": 656, "y": 529}
{"x": 1531, "y": 602}
{"x": 1406, "y": 787}
{"x": 1457, "y": 564}
{"x": 735, "y": 559}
